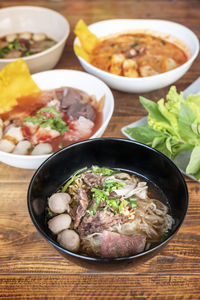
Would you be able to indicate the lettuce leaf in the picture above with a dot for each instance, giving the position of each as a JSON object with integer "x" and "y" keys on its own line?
{"x": 173, "y": 127}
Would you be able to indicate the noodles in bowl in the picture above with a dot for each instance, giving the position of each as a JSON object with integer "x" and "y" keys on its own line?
{"x": 108, "y": 213}
{"x": 141, "y": 201}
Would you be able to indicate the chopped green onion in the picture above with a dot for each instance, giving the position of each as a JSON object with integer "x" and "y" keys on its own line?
{"x": 103, "y": 171}
{"x": 70, "y": 181}
{"x": 133, "y": 202}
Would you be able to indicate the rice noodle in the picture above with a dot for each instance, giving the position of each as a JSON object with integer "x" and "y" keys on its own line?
{"x": 149, "y": 219}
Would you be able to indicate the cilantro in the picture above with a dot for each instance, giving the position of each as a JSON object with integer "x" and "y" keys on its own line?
{"x": 103, "y": 171}
{"x": 55, "y": 122}
{"x": 133, "y": 202}
{"x": 122, "y": 205}
{"x": 29, "y": 150}
{"x": 134, "y": 44}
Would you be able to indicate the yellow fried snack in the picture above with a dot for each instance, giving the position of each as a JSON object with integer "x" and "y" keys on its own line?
{"x": 15, "y": 82}
{"x": 87, "y": 38}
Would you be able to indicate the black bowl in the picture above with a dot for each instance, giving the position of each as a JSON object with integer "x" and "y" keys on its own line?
{"x": 114, "y": 153}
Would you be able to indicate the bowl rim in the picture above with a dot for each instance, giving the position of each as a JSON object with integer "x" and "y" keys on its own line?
{"x": 104, "y": 123}
{"x": 101, "y": 259}
{"x": 145, "y": 79}
{"x": 40, "y": 54}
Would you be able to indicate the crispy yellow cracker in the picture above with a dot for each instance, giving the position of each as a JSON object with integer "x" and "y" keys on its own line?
{"x": 15, "y": 82}
{"x": 87, "y": 38}
{"x": 81, "y": 52}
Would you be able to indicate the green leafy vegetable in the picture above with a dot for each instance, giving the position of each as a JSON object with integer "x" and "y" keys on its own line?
{"x": 103, "y": 171}
{"x": 70, "y": 181}
{"x": 54, "y": 121}
{"x": 173, "y": 127}
{"x": 133, "y": 202}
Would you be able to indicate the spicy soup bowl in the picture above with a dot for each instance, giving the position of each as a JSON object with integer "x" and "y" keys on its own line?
{"x": 59, "y": 78}
{"x": 171, "y": 31}
{"x": 117, "y": 153}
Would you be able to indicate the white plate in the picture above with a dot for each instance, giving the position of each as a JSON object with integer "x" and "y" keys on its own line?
{"x": 181, "y": 160}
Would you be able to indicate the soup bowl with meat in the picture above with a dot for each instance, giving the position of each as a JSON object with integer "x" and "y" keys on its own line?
{"x": 26, "y": 33}
{"x": 138, "y": 55}
{"x": 107, "y": 201}
{"x": 71, "y": 106}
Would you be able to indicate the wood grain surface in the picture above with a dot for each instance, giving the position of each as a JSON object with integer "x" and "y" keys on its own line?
{"x": 32, "y": 269}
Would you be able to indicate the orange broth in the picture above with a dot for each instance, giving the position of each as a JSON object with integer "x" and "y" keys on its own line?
{"x": 128, "y": 54}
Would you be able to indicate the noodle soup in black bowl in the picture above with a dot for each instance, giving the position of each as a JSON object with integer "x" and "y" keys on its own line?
{"x": 108, "y": 202}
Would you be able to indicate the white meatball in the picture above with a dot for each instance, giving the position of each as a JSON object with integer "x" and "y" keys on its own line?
{"x": 16, "y": 133}
{"x": 59, "y": 223}
{"x": 22, "y": 147}
{"x": 39, "y": 37}
{"x": 25, "y": 35}
{"x": 59, "y": 202}
{"x": 42, "y": 148}
{"x": 69, "y": 239}
{"x": 11, "y": 37}
{"x": 6, "y": 145}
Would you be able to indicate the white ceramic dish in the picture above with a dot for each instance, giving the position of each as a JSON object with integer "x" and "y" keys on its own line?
{"x": 55, "y": 79}
{"x": 163, "y": 29}
{"x": 36, "y": 19}
{"x": 181, "y": 160}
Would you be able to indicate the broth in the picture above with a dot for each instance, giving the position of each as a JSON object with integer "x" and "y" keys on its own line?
{"x": 137, "y": 55}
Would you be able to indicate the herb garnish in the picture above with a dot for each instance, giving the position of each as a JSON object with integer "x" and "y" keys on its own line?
{"x": 54, "y": 122}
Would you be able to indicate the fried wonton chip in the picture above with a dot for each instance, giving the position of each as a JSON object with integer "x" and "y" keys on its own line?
{"x": 15, "y": 82}
{"x": 87, "y": 39}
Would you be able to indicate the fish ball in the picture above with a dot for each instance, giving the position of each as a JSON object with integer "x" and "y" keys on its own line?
{"x": 11, "y": 37}
{"x": 59, "y": 223}
{"x": 22, "y": 147}
{"x": 39, "y": 37}
{"x": 15, "y": 132}
{"x": 42, "y": 148}
{"x": 6, "y": 145}
{"x": 59, "y": 202}
{"x": 25, "y": 35}
{"x": 69, "y": 239}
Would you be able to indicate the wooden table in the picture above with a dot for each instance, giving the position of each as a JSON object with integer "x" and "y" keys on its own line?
{"x": 29, "y": 267}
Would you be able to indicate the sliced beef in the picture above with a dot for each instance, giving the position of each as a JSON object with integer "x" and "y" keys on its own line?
{"x": 24, "y": 45}
{"x": 81, "y": 206}
{"x": 68, "y": 97}
{"x": 81, "y": 109}
{"x": 118, "y": 245}
{"x": 101, "y": 220}
{"x": 13, "y": 54}
{"x": 92, "y": 179}
{"x": 41, "y": 46}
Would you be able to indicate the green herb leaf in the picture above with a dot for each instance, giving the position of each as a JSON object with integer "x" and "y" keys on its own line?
{"x": 70, "y": 181}
{"x": 103, "y": 171}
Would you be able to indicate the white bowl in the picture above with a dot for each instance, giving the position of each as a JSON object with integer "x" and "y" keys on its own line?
{"x": 59, "y": 78}
{"x": 175, "y": 32}
{"x": 36, "y": 19}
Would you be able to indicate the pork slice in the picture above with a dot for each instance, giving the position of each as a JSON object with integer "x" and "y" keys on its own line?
{"x": 92, "y": 179}
{"x": 103, "y": 219}
{"x": 85, "y": 110}
{"x": 41, "y": 46}
{"x": 81, "y": 206}
{"x": 118, "y": 245}
{"x": 68, "y": 97}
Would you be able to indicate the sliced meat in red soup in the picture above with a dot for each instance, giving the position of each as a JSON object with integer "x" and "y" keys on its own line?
{"x": 118, "y": 245}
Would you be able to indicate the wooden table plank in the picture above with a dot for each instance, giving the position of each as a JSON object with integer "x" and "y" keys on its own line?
{"x": 140, "y": 287}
